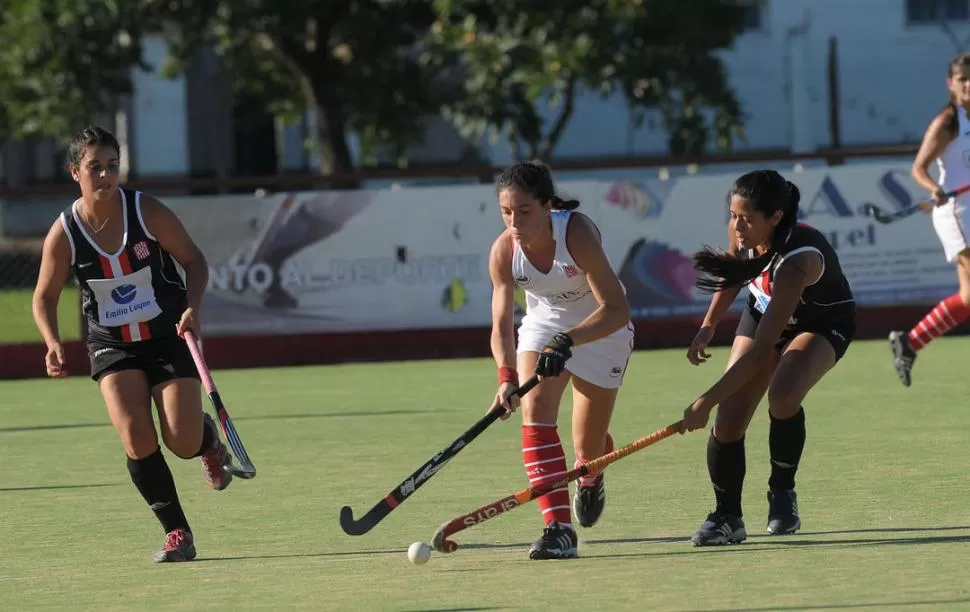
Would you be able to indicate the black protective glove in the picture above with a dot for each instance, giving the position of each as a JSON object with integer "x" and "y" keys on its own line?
{"x": 552, "y": 359}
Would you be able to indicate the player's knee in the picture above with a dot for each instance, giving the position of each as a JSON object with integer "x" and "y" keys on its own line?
{"x": 784, "y": 399}
{"x": 139, "y": 441}
{"x": 589, "y": 446}
{"x": 732, "y": 418}
{"x": 184, "y": 442}
{"x": 727, "y": 432}
{"x": 539, "y": 409}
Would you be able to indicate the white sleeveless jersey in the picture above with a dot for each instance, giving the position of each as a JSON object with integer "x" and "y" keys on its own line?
{"x": 562, "y": 297}
{"x": 954, "y": 162}
{"x": 952, "y": 218}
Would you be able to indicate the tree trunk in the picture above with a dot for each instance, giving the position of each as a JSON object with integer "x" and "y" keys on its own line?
{"x": 331, "y": 135}
{"x": 331, "y": 130}
{"x": 533, "y": 148}
{"x": 562, "y": 120}
{"x": 513, "y": 139}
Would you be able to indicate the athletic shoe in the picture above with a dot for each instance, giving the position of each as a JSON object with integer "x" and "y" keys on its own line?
{"x": 783, "y": 512}
{"x": 903, "y": 356}
{"x": 557, "y": 542}
{"x": 588, "y": 502}
{"x": 216, "y": 461}
{"x": 720, "y": 529}
{"x": 179, "y": 546}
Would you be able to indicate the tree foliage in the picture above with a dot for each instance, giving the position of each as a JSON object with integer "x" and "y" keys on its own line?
{"x": 380, "y": 68}
{"x": 349, "y": 62}
{"x": 64, "y": 62}
{"x": 517, "y": 55}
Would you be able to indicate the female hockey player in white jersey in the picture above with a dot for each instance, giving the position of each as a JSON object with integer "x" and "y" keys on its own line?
{"x": 577, "y": 326}
{"x": 947, "y": 141}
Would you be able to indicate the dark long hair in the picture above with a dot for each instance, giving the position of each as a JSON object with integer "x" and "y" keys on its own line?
{"x": 768, "y": 193}
{"x": 949, "y": 111}
{"x": 535, "y": 179}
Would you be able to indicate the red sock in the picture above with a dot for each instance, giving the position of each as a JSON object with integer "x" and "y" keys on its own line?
{"x": 948, "y": 314}
{"x": 545, "y": 461}
{"x": 589, "y": 480}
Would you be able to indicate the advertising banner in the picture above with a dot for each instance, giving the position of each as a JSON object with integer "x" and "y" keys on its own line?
{"x": 347, "y": 261}
{"x": 652, "y": 228}
{"x": 351, "y": 261}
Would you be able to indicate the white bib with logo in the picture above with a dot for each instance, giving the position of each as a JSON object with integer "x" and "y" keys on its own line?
{"x": 126, "y": 299}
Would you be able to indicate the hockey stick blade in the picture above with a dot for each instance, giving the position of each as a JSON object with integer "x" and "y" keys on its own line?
{"x": 246, "y": 469}
{"x": 881, "y": 216}
{"x": 412, "y": 483}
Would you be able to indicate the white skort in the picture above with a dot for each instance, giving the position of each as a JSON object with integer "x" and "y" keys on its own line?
{"x": 952, "y": 222}
{"x": 602, "y": 362}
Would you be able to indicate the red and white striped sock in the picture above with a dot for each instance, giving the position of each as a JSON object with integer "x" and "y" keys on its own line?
{"x": 545, "y": 461}
{"x": 589, "y": 480}
{"x": 948, "y": 314}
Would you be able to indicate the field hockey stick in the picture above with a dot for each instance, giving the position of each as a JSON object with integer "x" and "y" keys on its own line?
{"x": 925, "y": 205}
{"x": 424, "y": 473}
{"x": 440, "y": 540}
{"x": 246, "y": 468}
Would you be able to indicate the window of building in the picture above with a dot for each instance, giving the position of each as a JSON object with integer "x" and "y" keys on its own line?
{"x": 753, "y": 14}
{"x": 929, "y": 11}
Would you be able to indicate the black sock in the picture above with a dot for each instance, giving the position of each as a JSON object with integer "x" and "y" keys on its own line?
{"x": 155, "y": 483}
{"x": 209, "y": 438}
{"x": 786, "y": 439}
{"x": 725, "y": 464}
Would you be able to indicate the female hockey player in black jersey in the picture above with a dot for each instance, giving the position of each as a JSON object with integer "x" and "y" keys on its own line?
{"x": 122, "y": 247}
{"x": 798, "y": 322}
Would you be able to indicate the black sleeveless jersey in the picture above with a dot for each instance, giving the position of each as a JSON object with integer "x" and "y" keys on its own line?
{"x": 826, "y": 301}
{"x": 132, "y": 295}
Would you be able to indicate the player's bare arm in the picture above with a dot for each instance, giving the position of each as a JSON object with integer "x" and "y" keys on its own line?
{"x": 613, "y": 313}
{"x": 55, "y": 269}
{"x": 791, "y": 278}
{"x": 503, "y": 299}
{"x": 502, "y": 339}
{"x": 936, "y": 139}
{"x": 173, "y": 238}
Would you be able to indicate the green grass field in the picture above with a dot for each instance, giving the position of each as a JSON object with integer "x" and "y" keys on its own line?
{"x": 17, "y": 322}
{"x": 883, "y": 498}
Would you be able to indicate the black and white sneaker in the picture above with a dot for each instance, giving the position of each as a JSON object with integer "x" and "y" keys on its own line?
{"x": 557, "y": 542}
{"x": 903, "y": 356}
{"x": 588, "y": 503}
{"x": 783, "y": 512}
{"x": 720, "y": 529}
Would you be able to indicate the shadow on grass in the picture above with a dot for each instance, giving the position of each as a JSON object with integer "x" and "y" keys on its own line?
{"x": 58, "y": 487}
{"x": 774, "y": 543}
{"x": 267, "y": 417}
{"x": 851, "y": 606}
{"x": 760, "y": 542}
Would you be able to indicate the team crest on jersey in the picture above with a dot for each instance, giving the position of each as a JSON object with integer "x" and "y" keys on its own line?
{"x": 141, "y": 250}
{"x": 570, "y": 270}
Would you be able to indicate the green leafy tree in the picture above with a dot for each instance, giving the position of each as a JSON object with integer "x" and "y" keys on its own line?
{"x": 351, "y": 63}
{"x": 64, "y": 62}
{"x": 517, "y": 55}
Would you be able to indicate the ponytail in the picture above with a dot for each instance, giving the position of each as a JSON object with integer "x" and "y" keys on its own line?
{"x": 768, "y": 192}
{"x": 560, "y": 204}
